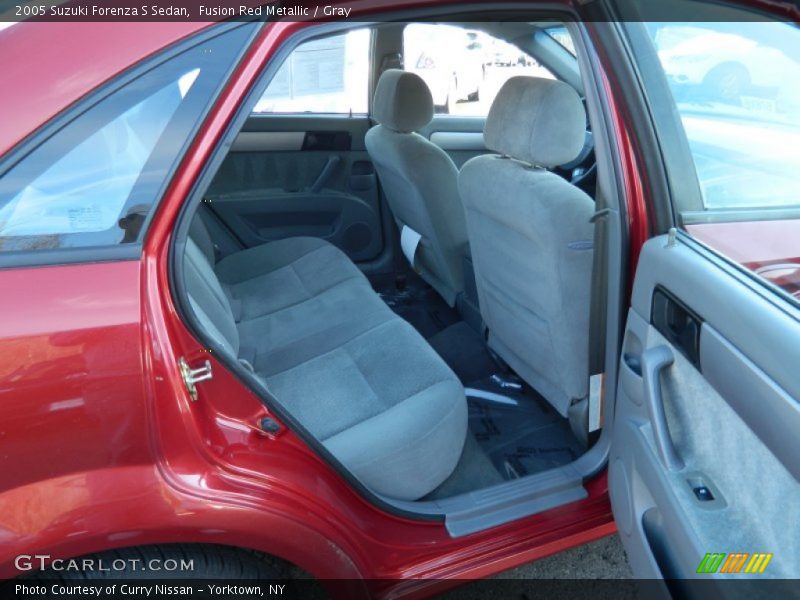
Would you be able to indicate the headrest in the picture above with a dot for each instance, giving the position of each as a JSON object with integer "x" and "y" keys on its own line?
{"x": 402, "y": 101}
{"x": 540, "y": 121}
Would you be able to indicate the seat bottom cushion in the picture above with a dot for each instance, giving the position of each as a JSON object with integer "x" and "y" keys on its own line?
{"x": 359, "y": 378}
{"x": 385, "y": 405}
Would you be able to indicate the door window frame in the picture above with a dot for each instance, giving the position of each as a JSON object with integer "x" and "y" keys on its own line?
{"x": 592, "y": 463}
{"x": 683, "y": 196}
{"x": 370, "y": 27}
{"x": 52, "y": 127}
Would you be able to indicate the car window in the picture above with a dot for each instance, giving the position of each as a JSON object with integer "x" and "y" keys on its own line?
{"x": 94, "y": 182}
{"x": 560, "y": 34}
{"x": 737, "y": 89}
{"x": 326, "y": 75}
{"x": 464, "y": 68}
{"x": 736, "y": 86}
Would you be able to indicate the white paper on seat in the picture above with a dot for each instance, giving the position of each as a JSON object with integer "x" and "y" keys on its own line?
{"x": 409, "y": 241}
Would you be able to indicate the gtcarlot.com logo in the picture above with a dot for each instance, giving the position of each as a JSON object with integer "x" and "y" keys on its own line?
{"x": 31, "y": 562}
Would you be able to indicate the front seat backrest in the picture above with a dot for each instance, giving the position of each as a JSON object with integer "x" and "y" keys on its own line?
{"x": 531, "y": 238}
{"x": 419, "y": 179}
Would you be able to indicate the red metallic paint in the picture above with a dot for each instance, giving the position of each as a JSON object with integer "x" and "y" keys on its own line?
{"x": 121, "y": 456}
{"x": 770, "y": 249}
{"x": 52, "y": 65}
{"x": 633, "y": 189}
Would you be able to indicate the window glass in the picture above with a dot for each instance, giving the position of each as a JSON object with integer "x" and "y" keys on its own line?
{"x": 562, "y": 36}
{"x": 464, "y": 68}
{"x": 326, "y": 75}
{"x": 737, "y": 89}
{"x": 94, "y": 182}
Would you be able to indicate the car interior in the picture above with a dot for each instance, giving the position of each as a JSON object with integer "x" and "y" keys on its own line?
{"x": 410, "y": 289}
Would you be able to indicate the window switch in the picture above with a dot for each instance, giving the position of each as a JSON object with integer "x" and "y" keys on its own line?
{"x": 703, "y": 493}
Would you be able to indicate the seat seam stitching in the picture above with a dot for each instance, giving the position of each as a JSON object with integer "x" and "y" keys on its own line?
{"x": 405, "y": 399}
{"x": 302, "y": 256}
{"x": 430, "y": 431}
{"x": 296, "y": 304}
{"x": 365, "y": 380}
{"x": 300, "y": 364}
{"x": 302, "y": 283}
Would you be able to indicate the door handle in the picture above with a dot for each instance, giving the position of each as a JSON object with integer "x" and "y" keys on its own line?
{"x": 325, "y": 174}
{"x": 654, "y": 361}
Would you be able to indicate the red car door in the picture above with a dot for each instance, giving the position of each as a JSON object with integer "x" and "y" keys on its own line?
{"x": 703, "y": 469}
{"x": 75, "y": 200}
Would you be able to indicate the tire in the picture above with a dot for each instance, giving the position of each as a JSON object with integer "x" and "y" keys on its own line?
{"x": 728, "y": 82}
{"x": 208, "y": 562}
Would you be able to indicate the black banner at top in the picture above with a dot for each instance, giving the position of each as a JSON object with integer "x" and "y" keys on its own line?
{"x": 170, "y": 10}
{"x": 286, "y": 10}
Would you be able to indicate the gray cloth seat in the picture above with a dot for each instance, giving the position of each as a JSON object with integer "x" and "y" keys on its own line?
{"x": 531, "y": 237}
{"x": 419, "y": 179}
{"x": 354, "y": 374}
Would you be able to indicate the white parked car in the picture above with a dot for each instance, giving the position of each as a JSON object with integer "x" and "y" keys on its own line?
{"x": 716, "y": 65}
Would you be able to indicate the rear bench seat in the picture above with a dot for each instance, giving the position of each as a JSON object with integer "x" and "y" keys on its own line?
{"x": 354, "y": 374}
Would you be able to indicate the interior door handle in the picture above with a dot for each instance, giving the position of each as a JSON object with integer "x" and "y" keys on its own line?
{"x": 654, "y": 361}
{"x": 325, "y": 174}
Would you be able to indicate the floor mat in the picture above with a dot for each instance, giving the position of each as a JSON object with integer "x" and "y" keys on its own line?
{"x": 524, "y": 438}
{"x": 420, "y": 305}
{"x": 464, "y": 351}
{"x": 474, "y": 471}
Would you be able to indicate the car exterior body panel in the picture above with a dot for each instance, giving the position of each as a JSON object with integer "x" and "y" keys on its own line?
{"x": 95, "y": 368}
{"x": 122, "y": 456}
{"x": 56, "y": 64}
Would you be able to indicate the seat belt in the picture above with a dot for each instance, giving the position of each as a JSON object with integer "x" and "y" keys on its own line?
{"x": 598, "y": 293}
{"x": 597, "y": 318}
{"x": 585, "y": 414}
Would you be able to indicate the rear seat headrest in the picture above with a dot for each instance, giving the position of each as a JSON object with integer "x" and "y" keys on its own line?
{"x": 402, "y": 101}
{"x": 535, "y": 120}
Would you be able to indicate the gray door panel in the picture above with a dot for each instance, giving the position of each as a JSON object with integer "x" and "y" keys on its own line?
{"x": 726, "y": 409}
{"x": 297, "y": 175}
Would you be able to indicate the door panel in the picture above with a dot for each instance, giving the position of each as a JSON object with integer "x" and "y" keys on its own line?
{"x": 705, "y": 447}
{"x": 71, "y": 384}
{"x": 297, "y": 175}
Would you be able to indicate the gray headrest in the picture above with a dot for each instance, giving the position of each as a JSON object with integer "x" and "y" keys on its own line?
{"x": 540, "y": 121}
{"x": 403, "y": 101}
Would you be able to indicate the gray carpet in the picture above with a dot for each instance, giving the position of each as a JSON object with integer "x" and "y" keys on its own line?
{"x": 464, "y": 351}
{"x": 524, "y": 439}
{"x": 504, "y": 441}
{"x": 474, "y": 471}
{"x": 418, "y": 304}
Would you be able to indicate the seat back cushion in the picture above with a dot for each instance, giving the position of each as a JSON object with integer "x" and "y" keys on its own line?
{"x": 531, "y": 238}
{"x": 421, "y": 185}
{"x": 208, "y": 300}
